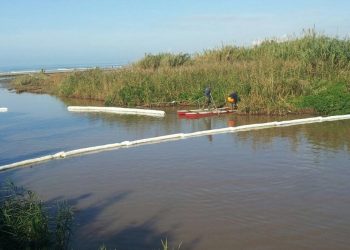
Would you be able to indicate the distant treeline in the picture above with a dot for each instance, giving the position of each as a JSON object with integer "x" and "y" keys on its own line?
{"x": 310, "y": 73}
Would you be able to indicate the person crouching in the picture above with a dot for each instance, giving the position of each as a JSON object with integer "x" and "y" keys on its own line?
{"x": 233, "y": 99}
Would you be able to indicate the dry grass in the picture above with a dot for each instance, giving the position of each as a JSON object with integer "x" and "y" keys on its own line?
{"x": 269, "y": 77}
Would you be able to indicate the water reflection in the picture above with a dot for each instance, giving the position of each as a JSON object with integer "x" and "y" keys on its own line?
{"x": 328, "y": 135}
{"x": 231, "y": 123}
{"x": 207, "y": 124}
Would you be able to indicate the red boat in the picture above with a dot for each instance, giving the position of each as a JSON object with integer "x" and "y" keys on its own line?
{"x": 199, "y": 113}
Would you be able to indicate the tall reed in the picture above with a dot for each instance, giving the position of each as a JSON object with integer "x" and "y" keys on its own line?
{"x": 269, "y": 77}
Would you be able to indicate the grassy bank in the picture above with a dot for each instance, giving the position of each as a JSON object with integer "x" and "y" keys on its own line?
{"x": 273, "y": 77}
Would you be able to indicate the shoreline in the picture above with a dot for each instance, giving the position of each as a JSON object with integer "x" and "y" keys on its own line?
{"x": 298, "y": 76}
{"x": 39, "y": 89}
{"x": 7, "y": 86}
{"x": 48, "y": 89}
{"x": 14, "y": 73}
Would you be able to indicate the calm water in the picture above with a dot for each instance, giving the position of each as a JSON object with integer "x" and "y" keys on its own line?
{"x": 283, "y": 188}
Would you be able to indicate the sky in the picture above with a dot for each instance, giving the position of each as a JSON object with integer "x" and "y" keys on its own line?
{"x": 37, "y": 33}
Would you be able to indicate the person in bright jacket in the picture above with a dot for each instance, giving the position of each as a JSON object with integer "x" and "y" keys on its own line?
{"x": 233, "y": 98}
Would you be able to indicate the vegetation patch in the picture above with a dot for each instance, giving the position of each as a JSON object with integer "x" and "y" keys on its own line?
{"x": 328, "y": 99}
{"x": 26, "y": 223}
{"x": 163, "y": 59}
{"x": 268, "y": 77}
{"x": 38, "y": 83}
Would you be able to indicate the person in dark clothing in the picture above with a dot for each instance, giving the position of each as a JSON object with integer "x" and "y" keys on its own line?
{"x": 207, "y": 94}
{"x": 233, "y": 98}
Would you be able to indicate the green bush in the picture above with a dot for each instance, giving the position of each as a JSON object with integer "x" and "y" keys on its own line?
{"x": 131, "y": 95}
{"x": 330, "y": 100}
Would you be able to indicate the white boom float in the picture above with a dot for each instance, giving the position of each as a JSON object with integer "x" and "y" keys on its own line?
{"x": 3, "y": 109}
{"x": 171, "y": 137}
{"x": 116, "y": 110}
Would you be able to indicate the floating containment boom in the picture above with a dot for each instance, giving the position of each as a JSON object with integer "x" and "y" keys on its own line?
{"x": 115, "y": 110}
{"x": 171, "y": 137}
{"x": 3, "y": 109}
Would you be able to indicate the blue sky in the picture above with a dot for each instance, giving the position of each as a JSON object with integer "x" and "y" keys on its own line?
{"x": 95, "y": 32}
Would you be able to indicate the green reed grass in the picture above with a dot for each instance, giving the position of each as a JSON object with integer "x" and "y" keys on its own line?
{"x": 331, "y": 99}
{"x": 163, "y": 60}
{"x": 25, "y": 222}
{"x": 268, "y": 77}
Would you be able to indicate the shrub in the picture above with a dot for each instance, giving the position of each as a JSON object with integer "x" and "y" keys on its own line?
{"x": 333, "y": 99}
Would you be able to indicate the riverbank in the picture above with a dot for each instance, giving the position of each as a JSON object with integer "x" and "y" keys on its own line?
{"x": 306, "y": 74}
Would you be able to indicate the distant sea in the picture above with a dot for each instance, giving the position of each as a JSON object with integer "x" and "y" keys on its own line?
{"x": 9, "y": 70}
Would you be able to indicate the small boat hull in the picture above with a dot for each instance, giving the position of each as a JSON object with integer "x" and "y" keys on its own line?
{"x": 183, "y": 112}
{"x": 199, "y": 113}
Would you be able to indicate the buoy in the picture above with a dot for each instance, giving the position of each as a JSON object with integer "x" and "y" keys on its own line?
{"x": 116, "y": 110}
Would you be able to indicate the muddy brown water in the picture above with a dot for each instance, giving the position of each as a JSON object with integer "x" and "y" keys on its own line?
{"x": 280, "y": 188}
